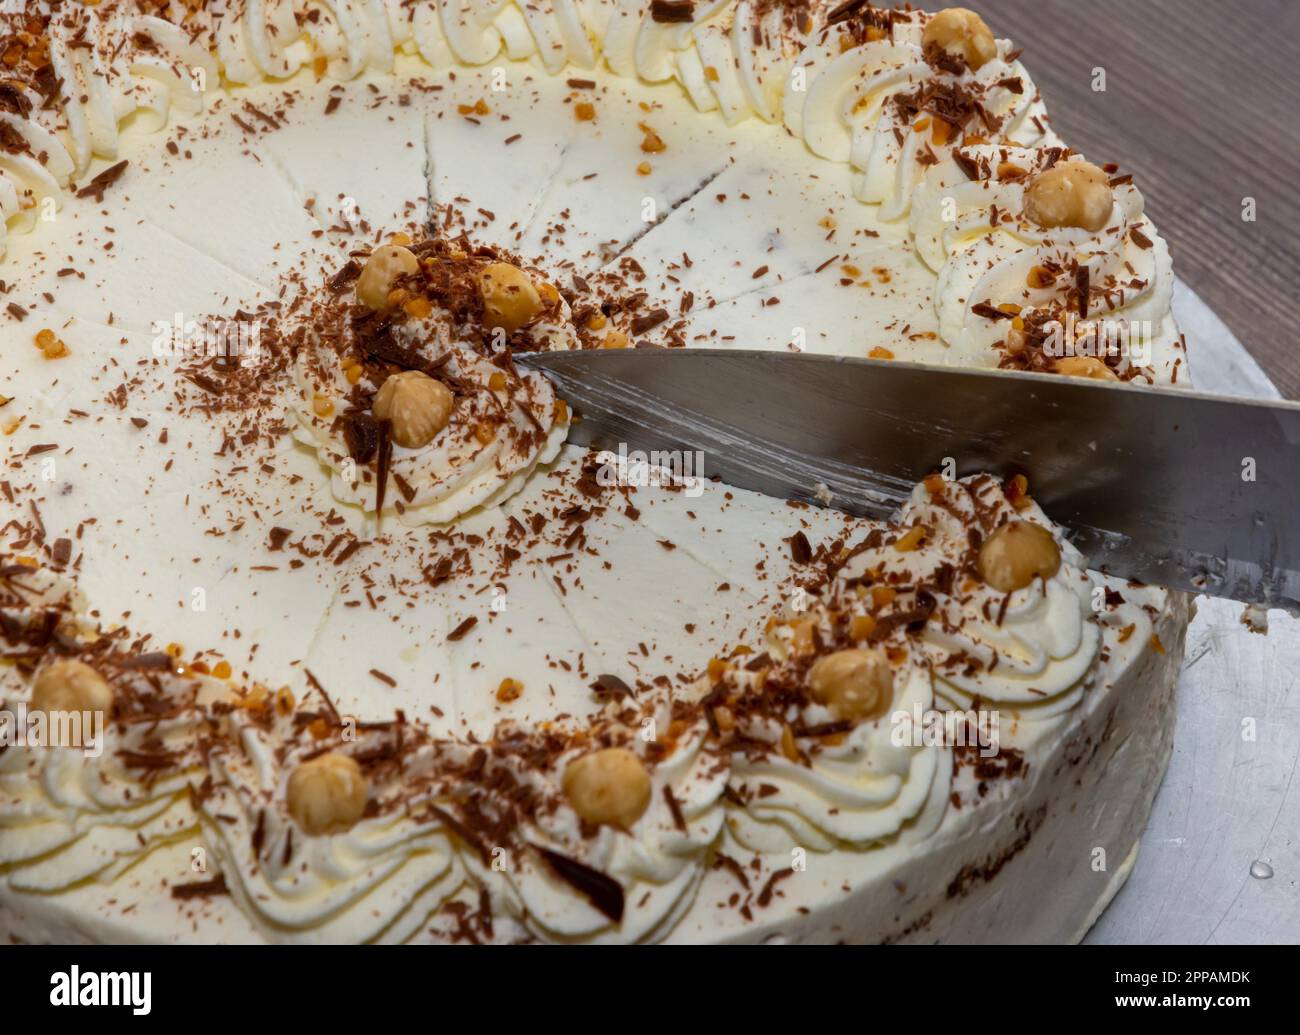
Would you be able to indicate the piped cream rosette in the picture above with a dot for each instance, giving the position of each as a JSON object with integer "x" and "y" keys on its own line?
{"x": 657, "y": 858}
{"x": 1032, "y": 650}
{"x": 970, "y": 226}
{"x": 417, "y": 845}
{"x": 840, "y": 98}
{"x": 866, "y": 789}
{"x": 378, "y": 879}
{"x": 67, "y": 816}
{"x": 322, "y": 835}
{"x": 500, "y": 429}
{"x": 822, "y": 781}
{"x": 89, "y": 809}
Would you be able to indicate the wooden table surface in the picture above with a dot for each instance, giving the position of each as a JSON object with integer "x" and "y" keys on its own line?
{"x": 1202, "y": 104}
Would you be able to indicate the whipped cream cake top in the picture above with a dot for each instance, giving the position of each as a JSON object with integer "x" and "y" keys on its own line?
{"x": 374, "y": 470}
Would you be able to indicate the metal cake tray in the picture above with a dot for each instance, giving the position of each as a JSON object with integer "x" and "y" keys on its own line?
{"x": 1220, "y": 858}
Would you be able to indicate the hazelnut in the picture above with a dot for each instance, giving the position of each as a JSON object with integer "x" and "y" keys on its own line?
{"x": 418, "y": 407}
{"x": 855, "y": 684}
{"x": 608, "y": 786}
{"x": 327, "y": 794}
{"x": 1016, "y": 341}
{"x": 1084, "y": 366}
{"x": 380, "y": 275}
{"x": 1074, "y": 193}
{"x": 510, "y": 299}
{"x": 1017, "y": 553}
{"x": 961, "y": 33}
{"x": 71, "y": 686}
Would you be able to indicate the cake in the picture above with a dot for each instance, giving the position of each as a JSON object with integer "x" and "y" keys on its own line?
{"x": 315, "y": 628}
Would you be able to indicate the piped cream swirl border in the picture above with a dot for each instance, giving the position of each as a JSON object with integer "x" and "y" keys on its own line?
{"x": 742, "y": 58}
{"x": 68, "y": 818}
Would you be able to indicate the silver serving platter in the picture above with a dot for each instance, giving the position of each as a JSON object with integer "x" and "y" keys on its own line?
{"x": 1220, "y": 859}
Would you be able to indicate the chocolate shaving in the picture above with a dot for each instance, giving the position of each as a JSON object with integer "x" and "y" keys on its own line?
{"x": 346, "y": 274}
{"x": 769, "y": 889}
{"x": 383, "y": 464}
{"x": 208, "y": 384}
{"x": 61, "y": 552}
{"x": 96, "y": 187}
{"x": 759, "y": 661}
{"x": 601, "y": 890}
{"x": 966, "y": 164}
{"x": 989, "y": 312}
{"x": 825, "y": 729}
{"x": 463, "y": 832}
{"x": 153, "y": 660}
{"x": 674, "y": 806}
{"x": 670, "y": 12}
{"x": 201, "y": 889}
{"x": 14, "y": 100}
{"x": 464, "y": 627}
{"x": 361, "y": 435}
{"x": 649, "y": 321}
{"x": 846, "y": 10}
{"x": 608, "y": 685}
{"x": 1083, "y": 285}
{"x": 380, "y": 344}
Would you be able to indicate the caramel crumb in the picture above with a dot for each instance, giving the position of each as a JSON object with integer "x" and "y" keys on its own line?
{"x": 652, "y": 143}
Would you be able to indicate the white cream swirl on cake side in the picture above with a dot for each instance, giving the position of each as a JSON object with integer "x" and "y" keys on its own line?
{"x": 321, "y": 829}
{"x": 1028, "y": 649}
{"x": 599, "y": 829}
{"x": 926, "y": 598}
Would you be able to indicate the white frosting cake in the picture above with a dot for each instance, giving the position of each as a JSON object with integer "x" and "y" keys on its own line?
{"x": 376, "y": 656}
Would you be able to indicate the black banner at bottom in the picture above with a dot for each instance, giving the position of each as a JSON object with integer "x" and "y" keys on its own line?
{"x": 337, "y": 984}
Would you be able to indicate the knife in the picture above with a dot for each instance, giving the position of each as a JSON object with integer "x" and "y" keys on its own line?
{"x": 1164, "y": 486}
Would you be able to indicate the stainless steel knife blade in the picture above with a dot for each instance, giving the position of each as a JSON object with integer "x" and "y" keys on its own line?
{"x": 1171, "y": 487}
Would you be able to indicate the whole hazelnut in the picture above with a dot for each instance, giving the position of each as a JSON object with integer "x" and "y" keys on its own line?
{"x": 417, "y": 405}
{"x": 386, "y": 265}
{"x": 1074, "y": 193}
{"x": 961, "y": 33}
{"x": 856, "y": 684}
{"x": 510, "y": 299}
{"x": 71, "y": 686}
{"x": 1016, "y": 554}
{"x": 327, "y": 794}
{"x": 609, "y": 786}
